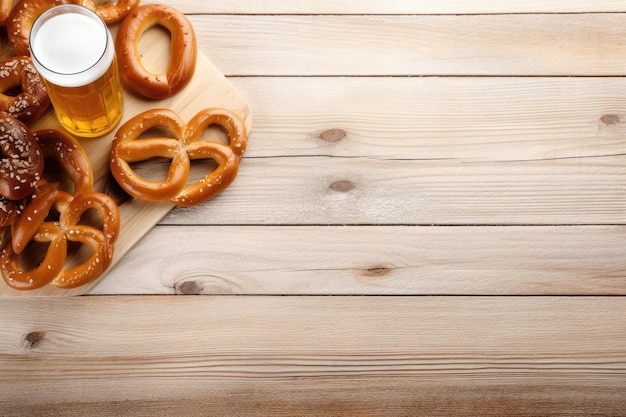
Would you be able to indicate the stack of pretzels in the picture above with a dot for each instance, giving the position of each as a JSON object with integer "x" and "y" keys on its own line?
{"x": 54, "y": 216}
{"x": 47, "y": 198}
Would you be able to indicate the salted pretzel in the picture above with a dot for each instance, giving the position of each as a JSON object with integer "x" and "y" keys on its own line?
{"x": 57, "y": 234}
{"x": 181, "y": 148}
{"x": 24, "y": 13}
{"x": 115, "y": 10}
{"x": 32, "y": 216}
{"x": 74, "y": 162}
{"x": 183, "y": 51}
{"x": 71, "y": 156}
{"x": 32, "y": 101}
{"x": 100, "y": 240}
{"x": 8, "y": 213}
{"x": 38, "y": 223}
{"x": 21, "y": 165}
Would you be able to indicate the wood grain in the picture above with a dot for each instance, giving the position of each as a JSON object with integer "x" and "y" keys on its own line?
{"x": 477, "y": 119}
{"x": 396, "y": 7}
{"x": 457, "y": 151}
{"x": 441, "y": 45}
{"x": 337, "y": 355}
{"x": 407, "y": 158}
{"x": 339, "y": 191}
{"x": 361, "y": 260}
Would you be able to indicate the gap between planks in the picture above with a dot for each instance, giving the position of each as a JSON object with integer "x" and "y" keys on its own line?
{"x": 538, "y": 44}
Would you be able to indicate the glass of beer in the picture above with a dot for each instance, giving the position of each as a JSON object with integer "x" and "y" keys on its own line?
{"x": 73, "y": 51}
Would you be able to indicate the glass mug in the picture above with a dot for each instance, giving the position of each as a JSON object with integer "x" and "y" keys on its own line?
{"x": 73, "y": 51}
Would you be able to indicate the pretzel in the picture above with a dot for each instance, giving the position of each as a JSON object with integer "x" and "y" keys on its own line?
{"x": 21, "y": 165}
{"x": 33, "y": 99}
{"x": 114, "y": 10}
{"x": 183, "y": 147}
{"x": 69, "y": 154}
{"x": 183, "y": 51}
{"x": 100, "y": 240}
{"x": 32, "y": 216}
{"x": 36, "y": 224}
{"x": 74, "y": 163}
{"x": 8, "y": 213}
{"x": 57, "y": 234}
{"x": 11, "y": 210}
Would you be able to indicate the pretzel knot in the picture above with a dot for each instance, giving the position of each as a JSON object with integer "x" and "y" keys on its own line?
{"x": 74, "y": 163}
{"x": 58, "y": 234}
{"x": 56, "y": 218}
{"x": 182, "y": 147}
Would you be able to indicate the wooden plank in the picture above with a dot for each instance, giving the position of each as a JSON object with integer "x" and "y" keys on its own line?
{"x": 395, "y": 7}
{"x": 524, "y": 45}
{"x": 468, "y": 118}
{"x": 138, "y": 217}
{"x": 373, "y": 260}
{"x": 339, "y": 191}
{"x": 458, "y": 151}
{"x": 387, "y": 356}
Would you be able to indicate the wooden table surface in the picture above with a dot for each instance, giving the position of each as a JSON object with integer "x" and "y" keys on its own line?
{"x": 430, "y": 220}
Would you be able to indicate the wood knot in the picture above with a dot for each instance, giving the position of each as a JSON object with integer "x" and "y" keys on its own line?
{"x": 342, "y": 186}
{"x": 610, "y": 119}
{"x": 333, "y": 135}
{"x": 33, "y": 338}
{"x": 376, "y": 271}
{"x": 189, "y": 288}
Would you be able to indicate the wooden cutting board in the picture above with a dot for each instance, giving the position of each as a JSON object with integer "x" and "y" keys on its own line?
{"x": 208, "y": 88}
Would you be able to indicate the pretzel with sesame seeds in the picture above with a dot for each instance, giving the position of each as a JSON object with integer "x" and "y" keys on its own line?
{"x": 32, "y": 215}
{"x": 21, "y": 165}
{"x": 8, "y": 213}
{"x": 29, "y": 104}
{"x": 58, "y": 234}
{"x": 56, "y": 217}
{"x": 185, "y": 145}
{"x": 70, "y": 155}
{"x": 115, "y": 10}
{"x": 73, "y": 162}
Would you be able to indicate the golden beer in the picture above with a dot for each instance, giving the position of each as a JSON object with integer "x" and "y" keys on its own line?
{"x": 73, "y": 51}
{"x": 90, "y": 110}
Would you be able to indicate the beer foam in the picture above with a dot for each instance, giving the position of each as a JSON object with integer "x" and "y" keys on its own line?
{"x": 71, "y": 49}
